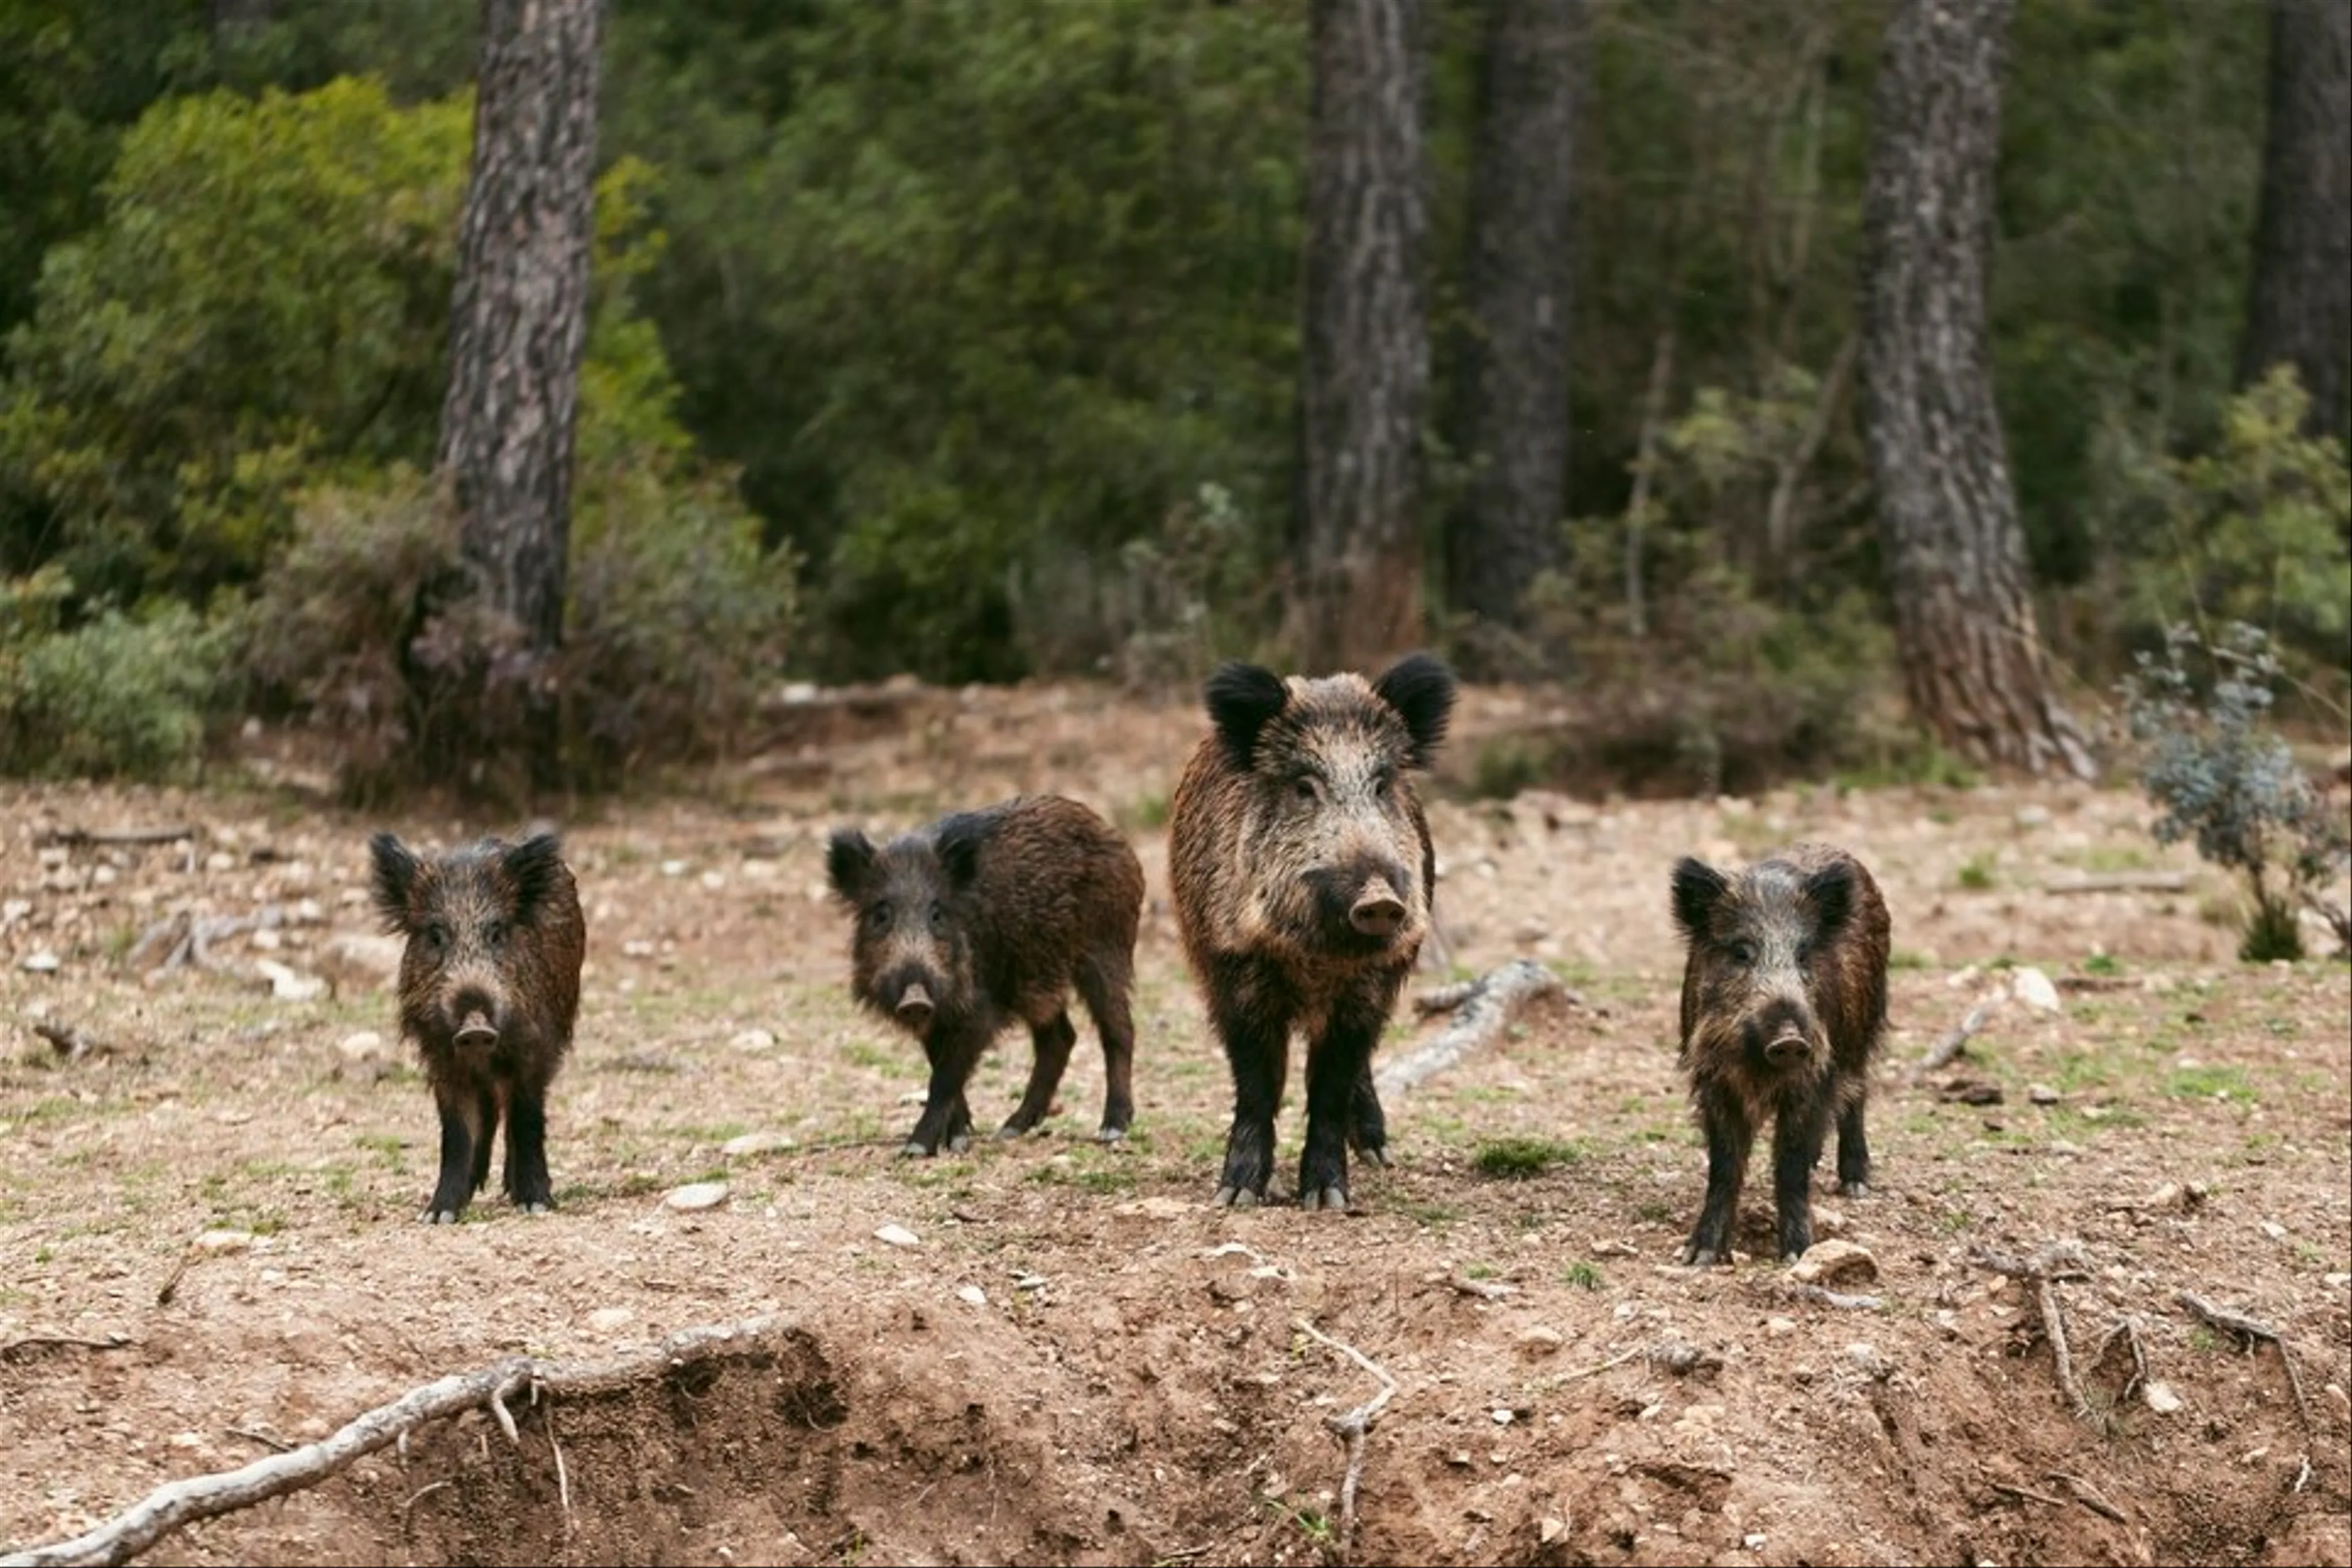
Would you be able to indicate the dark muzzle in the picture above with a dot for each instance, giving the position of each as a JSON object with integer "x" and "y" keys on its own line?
{"x": 477, "y": 1033}
{"x": 915, "y": 1008}
{"x": 1377, "y": 912}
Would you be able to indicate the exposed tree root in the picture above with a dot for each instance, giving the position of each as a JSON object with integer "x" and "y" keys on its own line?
{"x": 1350, "y": 1429}
{"x": 1482, "y": 1008}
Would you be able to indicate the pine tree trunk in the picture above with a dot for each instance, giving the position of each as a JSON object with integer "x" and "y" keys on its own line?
{"x": 1356, "y": 599}
{"x": 2299, "y": 305}
{"x": 1972, "y": 658}
{"x": 1513, "y": 423}
{"x": 519, "y": 320}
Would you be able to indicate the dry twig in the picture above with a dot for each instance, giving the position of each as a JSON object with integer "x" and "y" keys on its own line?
{"x": 70, "y": 1042}
{"x": 2088, "y": 1495}
{"x": 82, "y": 838}
{"x": 17, "y": 1348}
{"x": 1481, "y": 1011}
{"x": 1955, "y": 1040}
{"x": 1350, "y": 1429}
{"x": 2056, "y": 1261}
{"x": 183, "y": 1502}
{"x": 2250, "y": 1329}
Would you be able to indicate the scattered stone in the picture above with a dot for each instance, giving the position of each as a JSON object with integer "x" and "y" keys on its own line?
{"x": 2043, "y": 1094}
{"x": 1866, "y": 1357}
{"x": 2033, "y": 817}
{"x": 637, "y": 947}
{"x": 1154, "y": 1207}
{"x": 358, "y": 961}
{"x": 896, "y": 1235}
{"x": 288, "y": 984}
{"x": 1502, "y": 1417}
{"x": 2033, "y": 988}
{"x": 749, "y": 1143}
{"x": 2160, "y": 1398}
{"x": 696, "y": 1195}
{"x": 1835, "y": 1263}
{"x": 223, "y": 1241}
{"x": 1779, "y": 1325}
{"x": 672, "y": 868}
{"x": 972, "y": 1294}
{"x": 41, "y": 963}
{"x": 606, "y": 1320}
{"x": 1968, "y": 1090}
{"x": 1549, "y": 1529}
{"x": 1031, "y": 1282}
{"x": 1539, "y": 1341}
{"x": 2274, "y": 1230}
{"x": 754, "y": 1041}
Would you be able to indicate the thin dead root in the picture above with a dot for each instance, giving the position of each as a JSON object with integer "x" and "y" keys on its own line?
{"x": 1351, "y": 1428}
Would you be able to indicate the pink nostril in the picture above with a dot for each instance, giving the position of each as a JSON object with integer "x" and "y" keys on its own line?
{"x": 1377, "y": 917}
{"x": 1786, "y": 1049}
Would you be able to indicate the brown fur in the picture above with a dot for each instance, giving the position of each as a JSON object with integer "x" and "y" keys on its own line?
{"x": 997, "y": 914}
{"x": 1295, "y": 820}
{"x": 1783, "y": 1009}
{"x": 495, "y": 939}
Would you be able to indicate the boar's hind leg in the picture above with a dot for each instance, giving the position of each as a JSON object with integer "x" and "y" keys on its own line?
{"x": 1053, "y": 1040}
{"x": 1797, "y": 1135}
{"x": 1854, "y": 1151}
{"x": 1256, "y": 1029}
{"x": 1339, "y": 1069}
{"x": 1105, "y": 998}
{"x": 946, "y": 1118}
{"x": 1728, "y": 1136}
{"x": 463, "y": 1130}
{"x": 526, "y": 1169}
{"x": 1368, "y": 1124}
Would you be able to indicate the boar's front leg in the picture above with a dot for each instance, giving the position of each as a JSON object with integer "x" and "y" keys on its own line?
{"x": 1724, "y": 1118}
{"x": 1339, "y": 1081}
{"x": 527, "y": 1181}
{"x": 1253, "y": 1022}
{"x": 946, "y": 1117}
{"x": 464, "y": 1130}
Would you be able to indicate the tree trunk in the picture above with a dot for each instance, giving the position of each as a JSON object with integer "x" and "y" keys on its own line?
{"x": 1514, "y": 413}
{"x": 1972, "y": 658}
{"x": 1365, "y": 371}
{"x": 2299, "y": 303}
{"x": 519, "y": 321}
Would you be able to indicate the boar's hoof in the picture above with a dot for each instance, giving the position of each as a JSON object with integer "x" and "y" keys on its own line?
{"x": 1334, "y": 1198}
{"x": 1013, "y": 1127}
{"x": 916, "y": 1149}
{"x": 1110, "y": 1135}
{"x": 538, "y": 1208}
{"x": 1853, "y": 1189}
{"x": 1377, "y": 1154}
{"x": 1235, "y": 1198}
{"x": 440, "y": 1216}
{"x": 958, "y": 1141}
{"x": 1703, "y": 1256}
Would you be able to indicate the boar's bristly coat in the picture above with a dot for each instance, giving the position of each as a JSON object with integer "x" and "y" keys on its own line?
{"x": 1301, "y": 867}
{"x": 1783, "y": 1007}
{"x": 985, "y": 917}
{"x": 489, "y": 989}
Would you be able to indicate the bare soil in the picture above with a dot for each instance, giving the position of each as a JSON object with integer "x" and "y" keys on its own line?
{"x": 209, "y": 1243}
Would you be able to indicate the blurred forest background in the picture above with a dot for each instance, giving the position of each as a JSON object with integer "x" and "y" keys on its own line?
{"x": 1631, "y": 348}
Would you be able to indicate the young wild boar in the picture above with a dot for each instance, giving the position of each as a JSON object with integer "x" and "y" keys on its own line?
{"x": 1784, "y": 1003}
{"x": 989, "y": 915}
{"x": 489, "y": 986}
{"x": 1302, "y": 867}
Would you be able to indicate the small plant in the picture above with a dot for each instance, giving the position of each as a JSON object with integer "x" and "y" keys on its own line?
{"x": 1976, "y": 875}
{"x": 1515, "y": 1159}
{"x": 2226, "y": 779}
{"x": 1584, "y": 1274}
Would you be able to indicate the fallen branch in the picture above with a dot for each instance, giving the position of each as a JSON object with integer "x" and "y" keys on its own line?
{"x": 2057, "y": 1261}
{"x": 179, "y": 1503}
{"x": 2122, "y": 883}
{"x": 1955, "y": 1040}
{"x": 1350, "y": 1429}
{"x": 2088, "y": 1496}
{"x": 1484, "y": 1289}
{"x": 2028, "y": 1493}
{"x": 1481, "y": 1011}
{"x": 2251, "y": 1330}
{"x": 82, "y": 838}
{"x": 15, "y": 1348}
{"x": 1599, "y": 1367}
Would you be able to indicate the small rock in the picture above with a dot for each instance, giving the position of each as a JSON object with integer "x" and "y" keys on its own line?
{"x": 358, "y": 961}
{"x": 604, "y": 1319}
{"x": 1864, "y": 1356}
{"x": 1154, "y": 1207}
{"x": 1459, "y": 1458}
{"x": 1549, "y": 1529}
{"x": 637, "y": 947}
{"x": 288, "y": 984}
{"x": 896, "y": 1235}
{"x": 1835, "y": 1263}
{"x": 2043, "y": 1094}
{"x": 2033, "y": 988}
{"x": 672, "y": 868}
{"x": 360, "y": 1047}
{"x": 2064, "y": 1149}
{"x": 41, "y": 963}
{"x": 2274, "y": 1230}
{"x": 1539, "y": 1341}
{"x": 754, "y": 1041}
{"x": 973, "y": 1294}
{"x": 2160, "y": 1398}
{"x": 1779, "y": 1325}
{"x": 1502, "y": 1417}
{"x": 750, "y": 1143}
{"x": 1753, "y": 1540}
{"x": 696, "y": 1195}
{"x": 1031, "y": 1282}
{"x": 2032, "y": 816}
{"x": 224, "y": 1240}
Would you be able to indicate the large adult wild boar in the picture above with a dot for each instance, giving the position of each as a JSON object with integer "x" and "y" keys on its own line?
{"x": 1783, "y": 1007}
{"x": 1302, "y": 870}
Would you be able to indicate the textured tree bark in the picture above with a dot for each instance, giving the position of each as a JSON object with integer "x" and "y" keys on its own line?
{"x": 1356, "y": 596}
{"x": 1972, "y": 657}
{"x": 1513, "y": 417}
{"x": 2299, "y": 302}
{"x": 520, "y": 318}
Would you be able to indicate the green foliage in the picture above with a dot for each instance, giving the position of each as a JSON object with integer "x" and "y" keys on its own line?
{"x": 1515, "y": 1159}
{"x": 116, "y": 696}
{"x": 2226, "y": 779}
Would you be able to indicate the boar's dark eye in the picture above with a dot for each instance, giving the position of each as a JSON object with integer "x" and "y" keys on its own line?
{"x": 878, "y": 917}
{"x": 1741, "y": 952}
{"x": 939, "y": 915}
{"x": 1304, "y": 787}
{"x": 494, "y": 934}
{"x": 1383, "y": 782}
{"x": 434, "y": 936}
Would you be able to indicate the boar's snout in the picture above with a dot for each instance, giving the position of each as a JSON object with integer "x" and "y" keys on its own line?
{"x": 1377, "y": 912}
{"x": 915, "y": 1007}
{"x": 1787, "y": 1033}
{"x": 477, "y": 1033}
{"x": 1786, "y": 1049}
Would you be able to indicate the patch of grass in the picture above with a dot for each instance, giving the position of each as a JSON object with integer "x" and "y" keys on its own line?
{"x": 2209, "y": 1081}
{"x": 1507, "y": 765}
{"x": 874, "y": 1055}
{"x": 1655, "y": 1211}
{"x": 1422, "y": 1211}
{"x": 2113, "y": 858}
{"x": 1143, "y": 814}
{"x": 1975, "y": 873}
{"x": 2102, "y": 964}
{"x": 1515, "y": 1159}
{"x": 1904, "y": 958}
{"x": 1583, "y": 1274}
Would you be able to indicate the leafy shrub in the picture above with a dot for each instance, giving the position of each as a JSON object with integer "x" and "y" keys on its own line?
{"x": 2226, "y": 779}
{"x": 116, "y": 696}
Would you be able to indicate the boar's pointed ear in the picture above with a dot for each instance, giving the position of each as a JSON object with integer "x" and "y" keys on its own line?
{"x": 1697, "y": 888}
{"x": 848, "y": 857}
{"x": 534, "y": 867}
{"x": 960, "y": 842}
{"x": 395, "y": 874}
{"x": 1420, "y": 689}
{"x": 1241, "y": 699}
{"x": 1831, "y": 892}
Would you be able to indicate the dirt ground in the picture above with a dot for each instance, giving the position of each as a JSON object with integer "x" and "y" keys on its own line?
{"x": 1061, "y": 1353}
